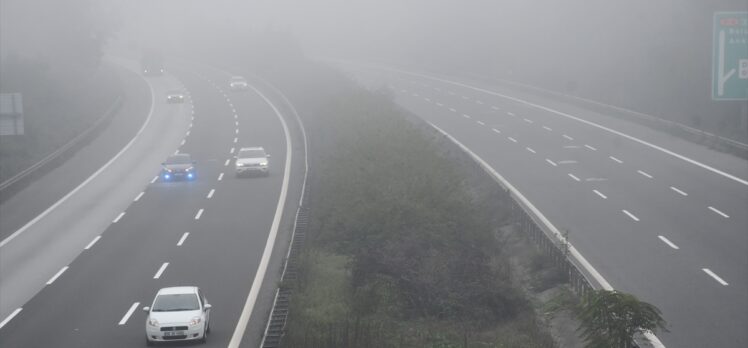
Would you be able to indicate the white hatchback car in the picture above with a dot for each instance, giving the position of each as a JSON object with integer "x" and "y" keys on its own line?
{"x": 238, "y": 83}
{"x": 250, "y": 160}
{"x": 177, "y": 314}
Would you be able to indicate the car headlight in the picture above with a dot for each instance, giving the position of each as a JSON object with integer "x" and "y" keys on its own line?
{"x": 240, "y": 165}
{"x": 195, "y": 321}
{"x": 264, "y": 164}
{"x": 153, "y": 322}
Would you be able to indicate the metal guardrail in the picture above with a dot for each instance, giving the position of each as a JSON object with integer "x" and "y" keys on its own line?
{"x": 693, "y": 134}
{"x": 12, "y": 185}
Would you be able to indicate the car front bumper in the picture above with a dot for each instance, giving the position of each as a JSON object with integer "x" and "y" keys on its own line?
{"x": 247, "y": 170}
{"x": 156, "y": 334}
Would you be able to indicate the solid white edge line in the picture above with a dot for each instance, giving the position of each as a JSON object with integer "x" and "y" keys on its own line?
{"x": 678, "y": 191}
{"x": 593, "y": 124}
{"x": 138, "y": 196}
{"x": 220, "y": 177}
{"x": 57, "y": 275}
{"x": 118, "y": 217}
{"x": 668, "y": 242}
{"x": 91, "y": 244}
{"x": 715, "y": 276}
{"x": 90, "y": 178}
{"x": 718, "y": 212}
{"x": 600, "y": 194}
{"x": 632, "y": 216}
{"x": 254, "y": 291}
{"x": 10, "y": 317}
{"x": 210, "y": 194}
{"x": 184, "y": 237}
{"x": 160, "y": 270}
{"x": 199, "y": 214}
{"x": 128, "y": 313}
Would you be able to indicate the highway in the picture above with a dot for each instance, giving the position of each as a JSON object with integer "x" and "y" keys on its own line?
{"x": 657, "y": 216}
{"x": 78, "y": 274}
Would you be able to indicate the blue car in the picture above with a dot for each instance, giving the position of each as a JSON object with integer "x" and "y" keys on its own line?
{"x": 178, "y": 167}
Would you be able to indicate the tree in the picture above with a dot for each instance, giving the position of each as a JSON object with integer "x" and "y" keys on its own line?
{"x": 610, "y": 319}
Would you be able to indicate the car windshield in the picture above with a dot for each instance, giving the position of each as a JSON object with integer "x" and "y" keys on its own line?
{"x": 176, "y": 302}
{"x": 179, "y": 159}
{"x": 254, "y": 153}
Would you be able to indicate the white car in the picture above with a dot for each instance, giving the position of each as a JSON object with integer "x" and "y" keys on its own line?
{"x": 238, "y": 83}
{"x": 177, "y": 314}
{"x": 175, "y": 97}
{"x": 252, "y": 160}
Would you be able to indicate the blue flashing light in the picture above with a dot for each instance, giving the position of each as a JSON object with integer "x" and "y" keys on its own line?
{"x": 190, "y": 175}
{"x": 167, "y": 176}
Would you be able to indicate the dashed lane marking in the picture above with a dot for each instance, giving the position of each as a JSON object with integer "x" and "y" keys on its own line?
{"x": 719, "y": 212}
{"x": 568, "y": 137}
{"x": 160, "y": 270}
{"x": 138, "y": 196}
{"x": 529, "y": 149}
{"x": 668, "y": 242}
{"x": 632, "y": 216}
{"x": 155, "y": 178}
{"x": 220, "y": 177}
{"x": 466, "y": 116}
{"x": 480, "y": 123}
{"x": 715, "y": 276}
{"x": 129, "y": 313}
{"x": 10, "y": 317}
{"x": 118, "y": 217}
{"x": 184, "y": 237}
{"x": 199, "y": 214}
{"x": 600, "y": 194}
{"x": 590, "y": 147}
{"x": 551, "y": 162}
{"x": 574, "y": 177}
{"x": 615, "y": 159}
{"x": 512, "y": 139}
{"x": 91, "y": 244}
{"x": 57, "y": 275}
{"x": 210, "y": 194}
{"x": 548, "y": 128}
{"x": 644, "y": 174}
{"x": 678, "y": 191}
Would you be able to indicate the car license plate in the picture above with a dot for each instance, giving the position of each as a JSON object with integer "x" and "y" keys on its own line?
{"x": 173, "y": 333}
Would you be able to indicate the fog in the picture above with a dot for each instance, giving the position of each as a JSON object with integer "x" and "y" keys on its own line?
{"x": 649, "y": 56}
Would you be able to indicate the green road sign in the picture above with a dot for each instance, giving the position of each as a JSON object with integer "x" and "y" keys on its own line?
{"x": 730, "y": 56}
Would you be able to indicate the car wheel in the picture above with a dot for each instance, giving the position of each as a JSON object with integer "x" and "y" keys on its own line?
{"x": 205, "y": 335}
{"x": 148, "y": 342}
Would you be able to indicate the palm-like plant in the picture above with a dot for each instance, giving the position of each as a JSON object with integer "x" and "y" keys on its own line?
{"x": 610, "y": 319}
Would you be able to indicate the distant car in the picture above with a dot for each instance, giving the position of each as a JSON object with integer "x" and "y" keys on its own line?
{"x": 177, "y": 314}
{"x": 175, "y": 97}
{"x": 179, "y": 166}
{"x": 238, "y": 83}
{"x": 252, "y": 160}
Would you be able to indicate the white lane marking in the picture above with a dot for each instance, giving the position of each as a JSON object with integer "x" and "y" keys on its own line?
{"x": 496, "y": 130}
{"x": 210, "y": 194}
{"x": 10, "y": 317}
{"x": 138, "y": 196}
{"x": 199, "y": 214}
{"x": 90, "y": 178}
{"x": 57, "y": 275}
{"x": 453, "y": 109}
{"x": 679, "y": 191}
{"x": 236, "y": 116}
{"x": 91, "y": 244}
{"x": 568, "y": 137}
{"x": 237, "y": 131}
{"x": 531, "y": 150}
{"x": 610, "y": 130}
{"x": 600, "y": 194}
{"x": 227, "y": 162}
{"x": 190, "y": 124}
{"x": 465, "y": 97}
{"x": 118, "y": 217}
{"x": 232, "y": 150}
{"x": 129, "y": 313}
{"x": 567, "y": 162}
{"x": 574, "y": 177}
{"x": 632, "y": 216}
{"x": 480, "y": 123}
{"x": 512, "y": 139}
{"x": 465, "y": 115}
{"x": 528, "y": 120}
{"x": 235, "y": 140}
{"x": 510, "y": 114}
{"x": 254, "y": 291}
{"x": 551, "y": 162}
{"x": 571, "y": 147}
{"x": 427, "y": 99}
{"x": 233, "y": 110}
{"x": 495, "y": 107}
{"x": 188, "y": 133}
{"x": 479, "y": 102}
{"x": 155, "y": 178}
{"x": 160, "y": 270}
{"x": 590, "y": 147}
{"x": 236, "y": 123}
{"x": 439, "y": 104}
{"x": 176, "y": 152}
{"x": 644, "y": 173}
{"x": 184, "y": 237}
{"x": 668, "y": 242}
{"x": 183, "y": 141}
{"x": 719, "y": 212}
{"x": 220, "y": 177}
{"x": 615, "y": 159}
{"x": 547, "y": 128}
{"x": 715, "y": 276}
{"x": 596, "y": 179}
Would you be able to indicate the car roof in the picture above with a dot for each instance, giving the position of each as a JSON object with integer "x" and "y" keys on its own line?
{"x": 180, "y": 155}
{"x": 178, "y": 290}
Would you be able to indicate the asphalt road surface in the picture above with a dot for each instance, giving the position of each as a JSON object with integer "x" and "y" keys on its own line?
{"x": 657, "y": 216}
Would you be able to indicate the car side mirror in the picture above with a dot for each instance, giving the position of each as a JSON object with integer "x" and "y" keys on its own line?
{"x": 146, "y": 309}
{"x": 207, "y": 306}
